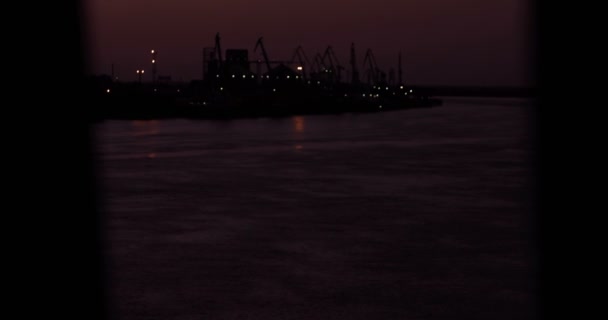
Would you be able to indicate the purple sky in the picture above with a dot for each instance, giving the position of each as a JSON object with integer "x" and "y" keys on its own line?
{"x": 443, "y": 42}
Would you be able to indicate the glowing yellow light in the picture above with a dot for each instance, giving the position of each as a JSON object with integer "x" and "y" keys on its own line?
{"x": 299, "y": 68}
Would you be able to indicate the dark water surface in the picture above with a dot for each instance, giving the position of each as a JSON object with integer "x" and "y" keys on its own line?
{"x": 417, "y": 214}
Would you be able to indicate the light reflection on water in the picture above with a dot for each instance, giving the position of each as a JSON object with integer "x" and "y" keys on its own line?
{"x": 298, "y": 124}
{"x": 298, "y": 129}
{"x": 145, "y": 127}
{"x": 384, "y": 213}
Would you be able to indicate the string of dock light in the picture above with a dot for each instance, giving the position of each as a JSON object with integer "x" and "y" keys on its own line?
{"x": 309, "y": 82}
{"x": 234, "y": 76}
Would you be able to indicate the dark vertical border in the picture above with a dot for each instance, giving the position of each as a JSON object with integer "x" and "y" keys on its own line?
{"x": 60, "y": 254}
{"x": 537, "y": 154}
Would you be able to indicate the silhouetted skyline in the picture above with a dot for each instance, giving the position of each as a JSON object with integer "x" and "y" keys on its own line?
{"x": 459, "y": 42}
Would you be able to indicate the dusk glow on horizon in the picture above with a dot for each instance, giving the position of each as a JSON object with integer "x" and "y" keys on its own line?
{"x": 459, "y": 42}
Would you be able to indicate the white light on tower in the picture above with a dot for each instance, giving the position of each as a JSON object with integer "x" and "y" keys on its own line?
{"x": 152, "y": 52}
{"x": 299, "y": 68}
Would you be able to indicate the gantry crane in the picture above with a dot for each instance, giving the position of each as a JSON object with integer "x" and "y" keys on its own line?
{"x": 400, "y": 70}
{"x": 334, "y": 64}
{"x": 218, "y": 50}
{"x": 373, "y": 70}
{"x": 317, "y": 64}
{"x": 260, "y": 44}
{"x": 299, "y": 52}
{"x": 353, "y": 65}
